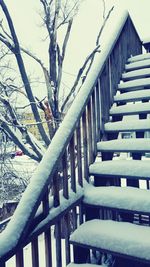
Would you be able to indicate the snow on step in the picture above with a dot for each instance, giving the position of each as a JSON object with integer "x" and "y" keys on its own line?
{"x": 128, "y": 125}
{"x": 126, "y": 198}
{"x": 122, "y": 237}
{"x": 84, "y": 265}
{"x": 139, "y": 57}
{"x": 136, "y": 84}
{"x": 125, "y": 145}
{"x": 131, "y": 109}
{"x": 136, "y": 74}
{"x": 132, "y": 96}
{"x": 138, "y": 65}
{"x": 121, "y": 169}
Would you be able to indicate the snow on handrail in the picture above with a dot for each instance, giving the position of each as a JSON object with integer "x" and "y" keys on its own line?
{"x": 42, "y": 176}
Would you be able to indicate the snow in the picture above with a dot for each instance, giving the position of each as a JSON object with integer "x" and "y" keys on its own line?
{"x": 128, "y": 125}
{"x": 139, "y": 57}
{"x": 136, "y": 83}
{"x": 131, "y": 109}
{"x": 125, "y": 145}
{"x": 138, "y": 64}
{"x": 127, "y": 198}
{"x": 46, "y": 168}
{"x": 121, "y": 237}
{"x": 125, "y": 168}
{"x": 134, "y": 95}
{"x": 136, "y": 73}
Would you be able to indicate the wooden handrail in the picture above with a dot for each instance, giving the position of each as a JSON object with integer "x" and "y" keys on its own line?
{"x": 85, "y": 121}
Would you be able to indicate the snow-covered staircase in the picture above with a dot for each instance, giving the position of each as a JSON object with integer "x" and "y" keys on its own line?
{"x": 114, "y": 212}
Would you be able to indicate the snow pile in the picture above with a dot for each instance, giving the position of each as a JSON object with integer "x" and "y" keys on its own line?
{"x": 136, "y": 83}
{"x": 133, "y": 95}
{"x": 126, "y": 145}
{"x": 131, "y": 108}
{"x": 124, "y": 238}
{"x": 125, "y": 168}
{"x": 127, "y": 198}
{"x": 138, "y": 64}
{"x": 128, "y": 125}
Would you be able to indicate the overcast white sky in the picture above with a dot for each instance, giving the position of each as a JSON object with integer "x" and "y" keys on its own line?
{"x": 86, "y": 25}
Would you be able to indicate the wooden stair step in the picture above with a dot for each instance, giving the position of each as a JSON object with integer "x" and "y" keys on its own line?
{"x": 139, "y": 57}
{"x": 133, "y": 96}
{"x": 136, "y": 74}
{"x": 132, "y": 125}
{"x": 131, "y": 109}
{"x": 138, "y": 145}
{"x": 84, "y": 265}
{"x": 118, "y": 238}
{"x": 138, "y": 65}
{"x": 121, "y": 198}
{"x": 135, "y": 84}
{"x": 131, "y": 169}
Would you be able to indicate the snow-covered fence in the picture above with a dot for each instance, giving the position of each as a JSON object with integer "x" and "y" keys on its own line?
{"x": 65, "y": 164}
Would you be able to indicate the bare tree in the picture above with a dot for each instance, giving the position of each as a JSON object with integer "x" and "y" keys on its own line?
{"x": 56, "y": 14}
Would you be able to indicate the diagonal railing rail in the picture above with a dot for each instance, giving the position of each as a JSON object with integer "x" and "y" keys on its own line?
{"x": 54, "y": 195}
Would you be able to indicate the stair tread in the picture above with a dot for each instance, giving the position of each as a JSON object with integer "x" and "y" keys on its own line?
{"x": 124, "y": 198}
{"x": 141, "y": 73}
{"x": 137, "y": 84}
{"x": 133, "y": 96}
{"x": 138, "y": 65}
{"x": 128, "y": 125}
{"x": 139, "y": 57}
{"x": 83, "y": 265}
{"x": 132, "y": 169}
{"x": 125, "y": 145}
{"x": 131, "y": 109}
{"x": 117, "y": 237}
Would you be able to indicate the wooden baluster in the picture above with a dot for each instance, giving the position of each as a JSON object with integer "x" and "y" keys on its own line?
{"x": 65, "y": 175}
{"x": 72, "y": 163}
{"x": 94, "y": 123}
{"x": 67, "y": 234}
{"x": 79, "y": 155}
{"x": 85, "y": 147}
{"x": 48, "y": 248}
{"x": 35, "y": 252}
{"x": 19, "y": 258}
{"x": 56, "y": 187}
{"x": 98, "y": 110}
{"x": 58, "y": 244}
{"x": 45, "y": 203}
{"x": 89, "y": 132}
